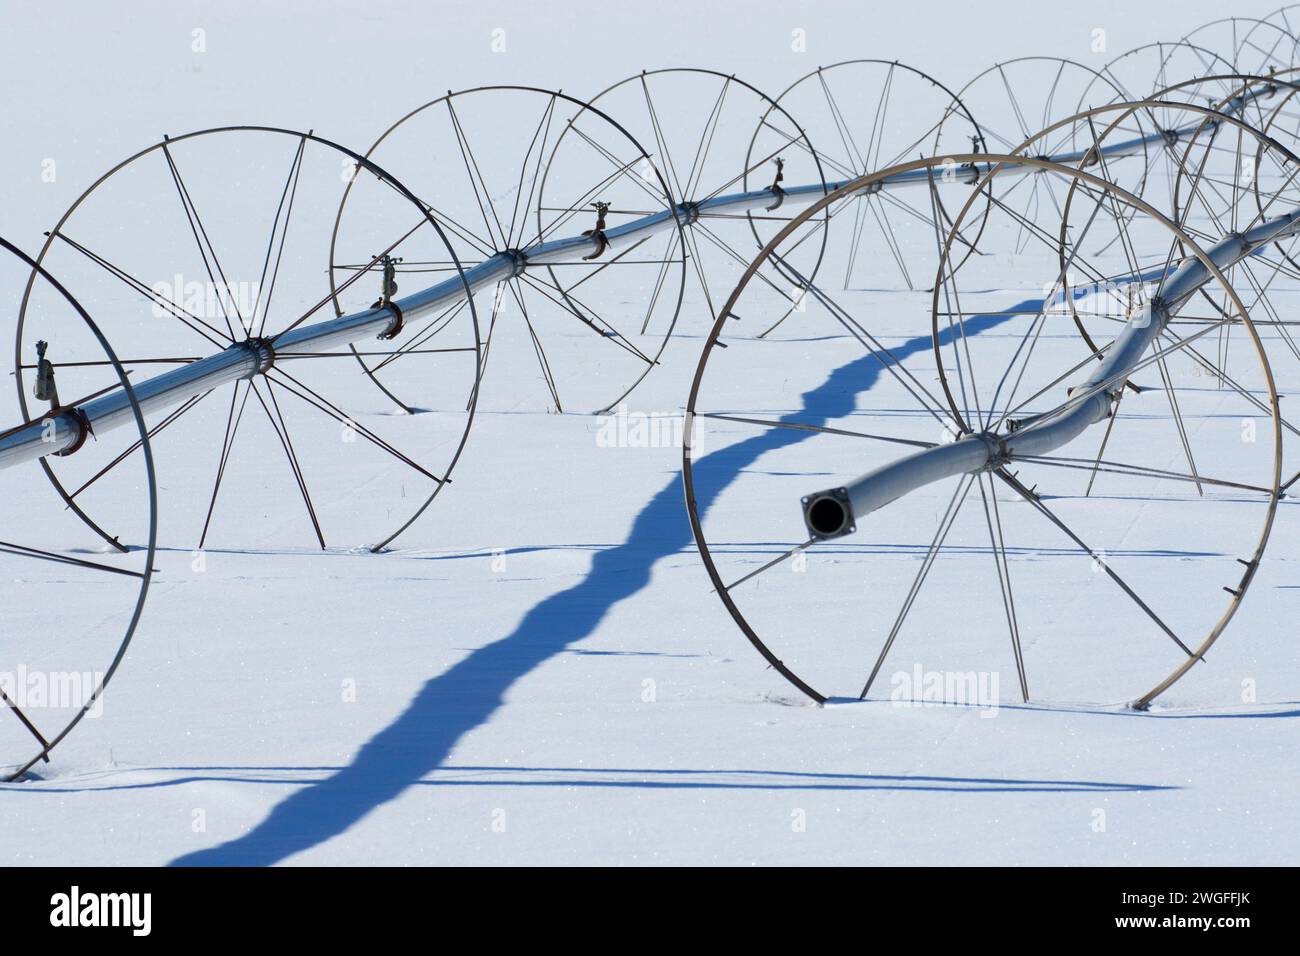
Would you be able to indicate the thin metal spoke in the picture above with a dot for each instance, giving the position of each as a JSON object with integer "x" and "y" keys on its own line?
{"x": 820, "y": 429}
{"x": 1095, "y": 354}
{"x": 287, "y": 196}
{"x": 1032, "y": 229}
{"x": 1126, "y": 242}
{"x": 498, "y": 301}
{"x": 1034, "y": 332}
{"x": 706, "y": 141}
{"x": 233, "y": 418}
{"x": 135, "y": 445}
{"x": 1224, "y": 378}
{"x": 661, "y": 139}
{"x": 180, "y": 360}
{"x": 540, "y": 352}
{"x": 617, "y": 260}
{"x": 874, "y": 347}
{"x": 435, "y": 327}
{"x": 845, "y": 171}
{"x": 621, "y": 168}
{"x": 945, "y": 525}
{"x": 217, "y": 337}
{"x": 1161, "y": 364}
{"x": 887, "y": 233}
{"x": 456, "y": 228}
{"x": 917, "y": 144}
{"x": 1137, "y": 471}
{"x": 206, "y": 248}
{"x": 659, "y": 281}
{"x": 993, "y": 519}
{"x": 347, "y": 283}
{"x": 580, "y": 205}
{"x": 304, "y": 393}
{"x": 855, "y": 243}
{"x": 893, "y": 199}
{"x": 697, "y": 262}
{"x": 881, "y": 120}
{"x": 1277, "y": 194}
{"x": 281, "y": 429}
{"x": 856, "y": 159}
{"x": 953, "y": 301}
{"x": 1080, "y": 396}
{"x": 1178, "y": 420}
{"x": 758, "y": 164}
{"x": 821, "y": 224}
{"x": 571, "y": 304}
{"x": 1015, "y": 103}
{"x": 23, "y": 551}
{"x": 1033, "y": 499}
{"x": 31, "y": 728}
{"x": 282, "y": 356}
{"x": 771, "y": 564}
{"x": 544, "y": 131}
{"x": 1105, "y": 439}
{"x": 717, "y": 240}
{"x": 471, "y": 170}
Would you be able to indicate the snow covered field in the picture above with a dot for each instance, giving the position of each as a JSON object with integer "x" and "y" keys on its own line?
{"x": 538, "y": 671}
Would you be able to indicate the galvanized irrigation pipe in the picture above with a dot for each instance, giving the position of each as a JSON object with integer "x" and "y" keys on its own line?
{"x": 64, "y": 430}
{"x": 835, "y": 512}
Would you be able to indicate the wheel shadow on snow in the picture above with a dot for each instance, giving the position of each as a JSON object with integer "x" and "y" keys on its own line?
{"x": 633, "y": 778}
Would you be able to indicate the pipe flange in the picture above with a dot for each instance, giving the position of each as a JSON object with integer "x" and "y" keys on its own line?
{"x": 829, "y": 514}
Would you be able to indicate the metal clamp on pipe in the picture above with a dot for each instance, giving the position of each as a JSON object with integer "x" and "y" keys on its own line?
{"x": 263, "y": 352}
{"x": 775, "y": 189}
{"x": 598, "y": 233}
{"x": 385, "y": 301}
{"x": 67, "y": 416}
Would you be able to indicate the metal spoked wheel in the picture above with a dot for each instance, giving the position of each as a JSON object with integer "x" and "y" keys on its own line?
{"x": 213, "y": 242}
{"x": 1146, "y": 69}
{"x": 853, "y": 112}
{"x": 592, "y": 341}
{"x": 1018, "y": 98}
{"x": 1286, "y": 17}
{"x": 697, "y": 120}
{"x": 71, "y": 610}
{"x": 1250, "y": 45}
{"x": 1281, "y": 110}
{"x": 924, "y": 581}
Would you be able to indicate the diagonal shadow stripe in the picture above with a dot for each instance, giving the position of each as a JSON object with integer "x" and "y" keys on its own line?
{"x": 467, "y": 694}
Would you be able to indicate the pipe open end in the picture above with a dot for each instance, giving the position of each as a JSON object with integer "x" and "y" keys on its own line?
{"x": 828, "y": 514}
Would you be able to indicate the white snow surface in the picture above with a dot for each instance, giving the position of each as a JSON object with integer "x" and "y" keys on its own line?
{"x": 538, "y": 671}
